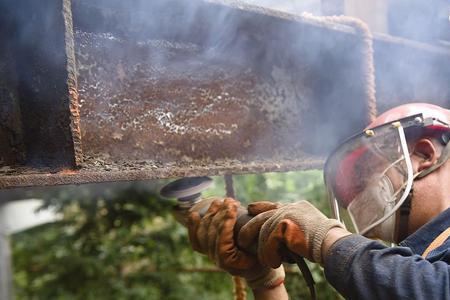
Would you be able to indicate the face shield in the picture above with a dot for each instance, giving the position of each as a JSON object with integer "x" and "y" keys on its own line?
{"x": 370, "y": 176}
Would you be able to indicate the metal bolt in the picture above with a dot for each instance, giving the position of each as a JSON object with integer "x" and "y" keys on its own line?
{"x": 396, "y": 124}
{"x": 369, "y": 132}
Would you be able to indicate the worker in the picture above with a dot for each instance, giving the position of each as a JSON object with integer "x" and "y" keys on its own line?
{"x": 391, "y": 181}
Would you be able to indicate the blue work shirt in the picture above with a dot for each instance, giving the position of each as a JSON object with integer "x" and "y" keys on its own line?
{"x": 360, "y": 268}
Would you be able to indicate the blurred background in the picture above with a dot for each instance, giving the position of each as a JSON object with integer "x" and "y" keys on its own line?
{"x": 120, "y": 241}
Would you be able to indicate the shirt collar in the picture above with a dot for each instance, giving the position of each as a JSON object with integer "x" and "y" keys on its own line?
{"x": 425, "y": 235}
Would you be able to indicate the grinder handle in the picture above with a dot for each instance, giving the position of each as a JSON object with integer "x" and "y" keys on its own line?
{"x": 242, "y": 219}
{"x": 286, "y": 254}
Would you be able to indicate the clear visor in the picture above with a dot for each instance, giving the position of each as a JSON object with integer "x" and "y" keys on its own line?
{"x": 369, "y": 177}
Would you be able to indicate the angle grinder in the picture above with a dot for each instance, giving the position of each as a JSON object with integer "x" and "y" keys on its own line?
{"x": 188, "y": 191}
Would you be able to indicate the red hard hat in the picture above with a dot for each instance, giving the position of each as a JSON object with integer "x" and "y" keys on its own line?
{"x": 406, "y": 110}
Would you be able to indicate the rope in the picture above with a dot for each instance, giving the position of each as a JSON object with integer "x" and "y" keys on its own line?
{"x": 368, "y": 67}
{"x": 240, "y": 291}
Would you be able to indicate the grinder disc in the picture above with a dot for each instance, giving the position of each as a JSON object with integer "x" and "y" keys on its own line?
{"x": 186, "y": 187}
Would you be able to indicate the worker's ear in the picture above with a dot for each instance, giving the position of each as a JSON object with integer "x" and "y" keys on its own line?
{"x": 425, "y": 149}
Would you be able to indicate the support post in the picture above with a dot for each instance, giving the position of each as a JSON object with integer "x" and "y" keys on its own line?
{"x": 6, "y": 282}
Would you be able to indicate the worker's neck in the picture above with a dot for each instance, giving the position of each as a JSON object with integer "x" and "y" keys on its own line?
{"x": 431, "y": 197}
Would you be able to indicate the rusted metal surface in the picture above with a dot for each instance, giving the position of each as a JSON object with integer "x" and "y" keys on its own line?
{"x": 101, "y": 171}
{"x": 245, "y": 92}
{"x": 187, "y": 88}
{"x": 72, "y": 82}
{"x": 140, "y": 108}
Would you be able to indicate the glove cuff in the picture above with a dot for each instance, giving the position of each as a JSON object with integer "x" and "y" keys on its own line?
{"x": 319, "y": 236}
{"x": 268, "y": 278}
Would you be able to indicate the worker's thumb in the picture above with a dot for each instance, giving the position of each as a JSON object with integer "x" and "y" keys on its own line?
{"x": 256, "y": 208}
{"x": 248, "y": 235}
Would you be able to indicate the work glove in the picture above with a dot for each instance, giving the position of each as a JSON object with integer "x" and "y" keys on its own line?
{"x": 299, "y": 227}
{"x": 213, "y": 235}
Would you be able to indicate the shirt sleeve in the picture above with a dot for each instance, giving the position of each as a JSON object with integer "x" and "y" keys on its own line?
{"x": 360, "y": 268}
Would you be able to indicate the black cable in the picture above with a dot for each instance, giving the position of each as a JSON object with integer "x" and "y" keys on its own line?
{"x": 291, "y": 258}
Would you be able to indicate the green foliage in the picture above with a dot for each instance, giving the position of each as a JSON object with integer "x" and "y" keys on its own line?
{"x": 119, "y": 241}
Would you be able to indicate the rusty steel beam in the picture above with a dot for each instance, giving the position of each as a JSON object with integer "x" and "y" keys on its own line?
{"x": 173, "y": 88}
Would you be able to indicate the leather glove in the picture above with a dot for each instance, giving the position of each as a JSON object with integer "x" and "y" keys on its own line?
{"x": 213, "y": 235}
{"x": 300, "y": 226}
